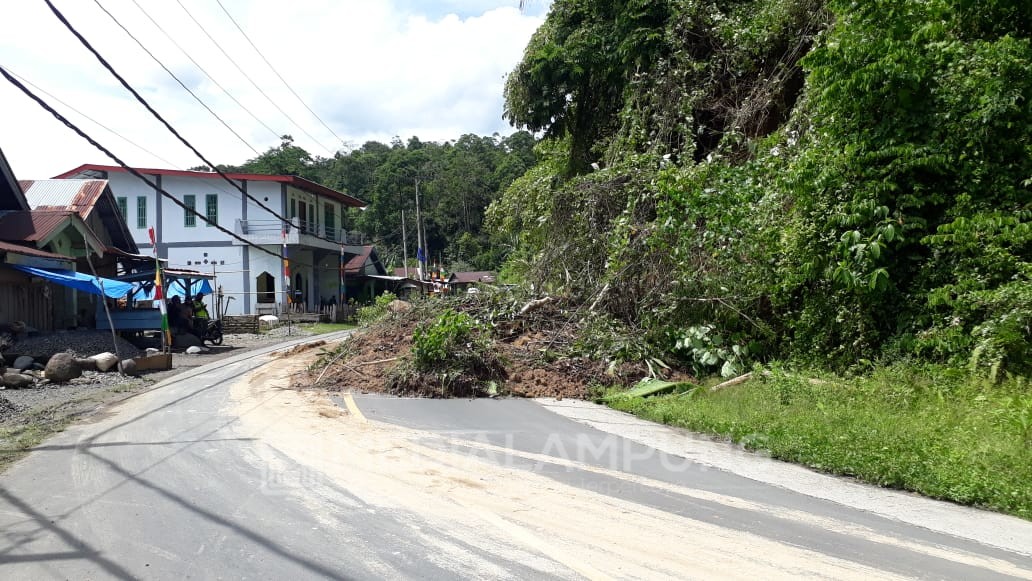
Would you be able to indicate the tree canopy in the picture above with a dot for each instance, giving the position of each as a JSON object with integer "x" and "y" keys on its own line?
{"x": 793, "y": 177}
{"x": 457, "y": 180}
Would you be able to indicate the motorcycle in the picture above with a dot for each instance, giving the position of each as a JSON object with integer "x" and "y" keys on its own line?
{"x": 213, "y": 332}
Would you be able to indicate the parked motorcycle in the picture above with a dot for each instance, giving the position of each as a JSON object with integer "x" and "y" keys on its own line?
{"x": 213, "y": 332}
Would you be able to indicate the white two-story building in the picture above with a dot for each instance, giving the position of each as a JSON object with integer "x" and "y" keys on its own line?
{"x": 251, "y": 280}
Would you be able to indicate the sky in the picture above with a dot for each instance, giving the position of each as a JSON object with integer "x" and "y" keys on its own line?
{"x": 369, "y": 69}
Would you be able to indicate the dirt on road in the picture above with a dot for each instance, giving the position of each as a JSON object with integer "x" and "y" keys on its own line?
{"x": 469, "y": 506}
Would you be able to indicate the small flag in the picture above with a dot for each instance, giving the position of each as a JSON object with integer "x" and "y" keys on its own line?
{"x": 159, "y": 290}
{"x": 159, "y": 295}
{"x": 419, "y": 255}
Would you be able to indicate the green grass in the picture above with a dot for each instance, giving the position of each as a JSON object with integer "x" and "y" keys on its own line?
{"x": 930, "y": 430}
{"x": 321, "y": 328}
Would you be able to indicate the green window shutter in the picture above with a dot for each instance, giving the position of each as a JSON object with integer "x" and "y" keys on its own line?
{"x": 141, "y": 211}
{"x": 123, "y": 207}
{"x": 211, "y": 205}
{"x": 329, "y": 218}
{"x": 189, "y": 218}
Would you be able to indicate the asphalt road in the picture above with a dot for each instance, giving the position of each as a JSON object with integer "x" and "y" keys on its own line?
{"x": 203, "y": 479}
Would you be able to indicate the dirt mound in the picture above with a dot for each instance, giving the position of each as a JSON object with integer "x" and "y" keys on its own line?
{"x": 533, "y": 349}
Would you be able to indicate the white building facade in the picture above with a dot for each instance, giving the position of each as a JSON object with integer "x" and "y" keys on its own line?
{"x": 250, "y": 274}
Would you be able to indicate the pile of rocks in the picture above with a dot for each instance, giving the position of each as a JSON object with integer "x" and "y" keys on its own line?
{"x": 82, "y": 342}
{"x": 26, "y": 371}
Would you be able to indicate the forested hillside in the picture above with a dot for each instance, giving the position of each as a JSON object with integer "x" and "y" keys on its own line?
{"x": 823, "y": 180}
{"x": 457, "y": 180}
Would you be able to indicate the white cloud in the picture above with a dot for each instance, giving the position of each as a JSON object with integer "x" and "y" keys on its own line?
{"x": 371, "y": 70}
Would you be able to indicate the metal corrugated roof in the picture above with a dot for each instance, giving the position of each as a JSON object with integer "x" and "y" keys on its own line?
{"x": 82, "y": 197}
{"x": 32, "y": 226}
{"x": 78, "y": 196}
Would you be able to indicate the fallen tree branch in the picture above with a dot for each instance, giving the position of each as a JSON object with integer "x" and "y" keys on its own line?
{"x": 534, "y": 304}
{"x": 732, "y": 382}
{"x": 388, "y": 360}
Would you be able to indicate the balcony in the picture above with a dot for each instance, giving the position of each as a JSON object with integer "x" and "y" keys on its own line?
{"x": 296, "y": 233}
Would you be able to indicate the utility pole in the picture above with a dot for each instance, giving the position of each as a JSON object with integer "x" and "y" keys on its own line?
{"x": 404, "y": 243}
{"x": 421, "y": 253}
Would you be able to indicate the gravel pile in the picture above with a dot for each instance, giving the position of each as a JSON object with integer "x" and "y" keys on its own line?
{"x": 82, "y": 343}
{"x": 7, "y": 409}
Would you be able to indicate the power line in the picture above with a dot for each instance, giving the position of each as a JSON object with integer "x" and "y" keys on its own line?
{"x": 87, "y": 117}
{"x": 171, "y": 39}
{"x": 173, "y": 75}
{"x": 173, "y": 165}
{"x": 57, "y": 115}
{"x": 158, "y": 116}
{"x": 273, "y": 69}
{"x": 248, "y": 77}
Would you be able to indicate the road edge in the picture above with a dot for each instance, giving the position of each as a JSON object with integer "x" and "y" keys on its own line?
{"x": 988, "y": 528}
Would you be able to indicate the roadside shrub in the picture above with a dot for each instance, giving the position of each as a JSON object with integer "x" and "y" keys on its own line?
{"x": 452, "y": 354}
{"x": 451, "y": 335}
{"x": 378, "y": 310}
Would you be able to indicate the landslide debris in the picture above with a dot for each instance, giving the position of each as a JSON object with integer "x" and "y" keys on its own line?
{"x": 473, "y": 346}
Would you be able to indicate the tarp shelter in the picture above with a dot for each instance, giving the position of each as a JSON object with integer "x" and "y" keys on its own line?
{"x": 145, "y": 291}
{"x": 114, "y": 289}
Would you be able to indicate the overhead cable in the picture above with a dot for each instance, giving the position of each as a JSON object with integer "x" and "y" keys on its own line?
{"x": 248, "y": 77}
{"x": 158, "y": 116}
{"x": 278, "y": 75}
{"x": 57, "y": 115}
{"x": 173, "y": 75}
{"x": 91, "y": 119}
{"x": 171, "y": 39}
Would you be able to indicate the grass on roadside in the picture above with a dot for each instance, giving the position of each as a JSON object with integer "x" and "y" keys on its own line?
{"x": 930, "y": 430}
{"x": 322, "y": 328}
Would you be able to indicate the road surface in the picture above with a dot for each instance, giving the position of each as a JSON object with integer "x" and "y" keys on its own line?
{"x": 227, "y": 473}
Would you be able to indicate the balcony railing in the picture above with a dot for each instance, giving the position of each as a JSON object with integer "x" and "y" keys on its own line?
{"x": 273, "y": 232}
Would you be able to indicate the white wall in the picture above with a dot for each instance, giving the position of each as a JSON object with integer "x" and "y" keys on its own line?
{"x": 200, "y": 246}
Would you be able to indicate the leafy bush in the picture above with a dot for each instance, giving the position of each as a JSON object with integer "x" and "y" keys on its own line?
{"x": 370, "y": 314}
{"x": 708, "y": 351}
{"x": 438, "y": 343}
{"x": 453, "y": 351}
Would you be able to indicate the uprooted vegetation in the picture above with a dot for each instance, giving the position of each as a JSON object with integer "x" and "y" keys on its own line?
{"x": 500, "y": 343}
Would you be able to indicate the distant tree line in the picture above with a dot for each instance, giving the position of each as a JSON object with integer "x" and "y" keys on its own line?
{"x": 457, "y": 180}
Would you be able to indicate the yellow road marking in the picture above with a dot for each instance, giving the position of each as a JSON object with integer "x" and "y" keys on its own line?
{"x": 349, "y": 402}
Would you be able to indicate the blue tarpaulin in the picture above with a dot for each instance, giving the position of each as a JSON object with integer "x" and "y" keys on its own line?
{"x": 115, "y": 289}
{"x": 175, "y": 289}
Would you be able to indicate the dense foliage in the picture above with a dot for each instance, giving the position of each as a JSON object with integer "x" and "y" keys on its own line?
{"x": 456, "y": 181}
{"x": 829, "y": 180}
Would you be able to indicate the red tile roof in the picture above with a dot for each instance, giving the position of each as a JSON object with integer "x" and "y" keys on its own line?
{"x": 298, "y": 182}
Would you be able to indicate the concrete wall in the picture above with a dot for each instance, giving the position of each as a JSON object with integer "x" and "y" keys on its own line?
{"x": 200, "y": 247}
